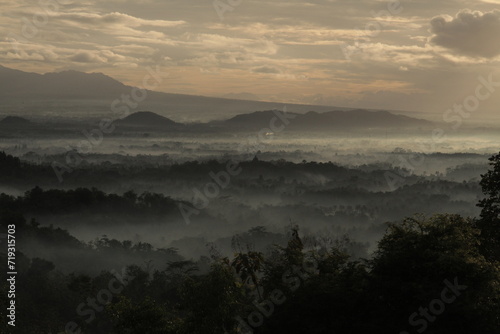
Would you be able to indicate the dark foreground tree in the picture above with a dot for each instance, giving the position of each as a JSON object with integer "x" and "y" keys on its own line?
{"x": 419, "y": 259}
{"x": 401, "y": 289}
{"x": 489, "y": 223}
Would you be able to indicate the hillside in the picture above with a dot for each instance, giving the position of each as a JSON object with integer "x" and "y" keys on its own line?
{"x": 75, "y": 93}
{"x": 312, "y": 120}
{"x": 66, "y": 84}
{"x": 146, "y": 119}
{"x": 14, "y": 120}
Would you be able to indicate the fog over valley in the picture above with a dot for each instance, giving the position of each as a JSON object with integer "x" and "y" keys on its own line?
{"x": 246, "y": 167}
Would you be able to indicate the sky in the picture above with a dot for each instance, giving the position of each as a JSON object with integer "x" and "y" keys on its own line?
{"x": 424, "y": 55}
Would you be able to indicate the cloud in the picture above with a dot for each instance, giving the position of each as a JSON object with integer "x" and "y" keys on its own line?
{"x": 292, "y": 50}
{"x": 470, "y": 33}
{"x": 115, "y": 18}
{"x": 23, "y": 55}
{"x": 266, "y": 69}
{"x": 134, "y": 49}
{"x": 402, "y": 55}
{"x": 86, "y": 57}
{"x": 216, "y": 42}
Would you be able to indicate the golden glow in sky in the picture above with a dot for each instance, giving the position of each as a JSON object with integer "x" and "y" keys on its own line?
{"x": 408, "y": 55}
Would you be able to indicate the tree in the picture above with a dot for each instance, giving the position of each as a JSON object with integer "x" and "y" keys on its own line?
{"x": 489, "y": 223}
{"x": 247, "y": 265}
{"x": 213, "y": 301}
{"x": 411, "y": 265}
{"x": 143, "y": 317}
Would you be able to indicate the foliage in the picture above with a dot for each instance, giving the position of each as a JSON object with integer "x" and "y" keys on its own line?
{"x": 489, "y": 223}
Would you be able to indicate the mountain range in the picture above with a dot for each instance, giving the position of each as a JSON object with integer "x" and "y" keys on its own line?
{"x": 331, "y": 120}
{"x": 63, "y": 92}
{"x": 56, "y": 89}
{"x": 66, "y": 84}
{"x": 78, "y": 94}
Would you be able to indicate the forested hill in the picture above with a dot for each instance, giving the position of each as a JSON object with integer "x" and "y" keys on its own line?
{"x": 443, "y": 267}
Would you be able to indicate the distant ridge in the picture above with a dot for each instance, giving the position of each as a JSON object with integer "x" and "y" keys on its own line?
{"x": 146, "y": 119}
{"x": 311, "y": 121}
{"x": 74, "y": 89}
{"x": 257, "y": 118}
{"x": 67, "y": 84}
{"x": 14, "y": 120}
{"x": 332, "y": 120}
{"x": 358, "y": 118}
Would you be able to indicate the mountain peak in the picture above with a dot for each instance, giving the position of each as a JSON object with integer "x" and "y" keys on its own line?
{"x": 331, "y": 120}
{"x": 146, "y": 119}
{"x": 14, "y": 120}
{"x": 68, "y": 83}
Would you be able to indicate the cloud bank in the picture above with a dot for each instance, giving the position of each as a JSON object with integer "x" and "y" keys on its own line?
{"x": 470, "y": 33}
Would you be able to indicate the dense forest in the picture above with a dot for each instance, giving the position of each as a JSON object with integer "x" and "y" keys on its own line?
{"x": 433, "y": 273}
